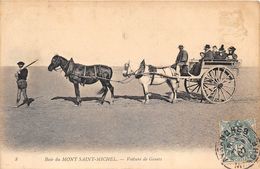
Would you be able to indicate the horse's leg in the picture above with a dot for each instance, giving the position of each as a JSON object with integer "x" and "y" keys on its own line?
{"x": 173, "y": 93}
{"x": 104, "y": 91}
{"x": 146, "y": 93}
{"x": 77, "y": 92}
{"x": 111, "y": 88}
{"x": 19, "y": 91}
{"x": 176, "y": 85}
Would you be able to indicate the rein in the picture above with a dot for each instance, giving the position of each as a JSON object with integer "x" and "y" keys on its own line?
{"x": 123, "y": 81}
{"x": 151, "y": 73}
{"x": 117, "y": 81}
{"x": 132, "y": 72}
{"x": 56, "y": 69}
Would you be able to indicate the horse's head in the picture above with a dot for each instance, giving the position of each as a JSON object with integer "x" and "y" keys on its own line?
{"x": 55, "y": 62}
{"x": 138, "y": 69}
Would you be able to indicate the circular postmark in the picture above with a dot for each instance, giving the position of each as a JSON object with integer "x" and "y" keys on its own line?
{"x": 238, "y": 145}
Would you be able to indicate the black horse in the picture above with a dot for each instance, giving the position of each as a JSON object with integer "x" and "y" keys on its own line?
{"x": 82, "y": 74}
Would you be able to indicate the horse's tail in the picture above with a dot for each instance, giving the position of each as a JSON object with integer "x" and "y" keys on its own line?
{"x": 111, "y": 72}
{"x": 101, "y": 91}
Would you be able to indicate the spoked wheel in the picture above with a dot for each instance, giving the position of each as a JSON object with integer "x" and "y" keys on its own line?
{"x": 193, "y": 88}
{"x": 218, "y": 85}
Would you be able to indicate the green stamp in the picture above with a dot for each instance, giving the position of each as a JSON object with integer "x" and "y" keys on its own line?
{"x": 238, "y": 145}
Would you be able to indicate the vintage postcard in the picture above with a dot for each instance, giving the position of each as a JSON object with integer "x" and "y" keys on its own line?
{"x": 129, "y": 84}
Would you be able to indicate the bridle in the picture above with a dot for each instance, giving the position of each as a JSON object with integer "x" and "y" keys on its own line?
{"x": 56, "y": 63}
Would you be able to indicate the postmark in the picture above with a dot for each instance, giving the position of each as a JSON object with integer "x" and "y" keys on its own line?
{"x": 238, "y": 144}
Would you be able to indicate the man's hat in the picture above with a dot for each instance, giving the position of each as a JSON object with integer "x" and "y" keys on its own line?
{"x": 232, "y": 48}
{"x": 180, "y": 46}
{"x": 20, "y": 63}
{"x": 207, "y": 46}
{"x": 221, "y": 48}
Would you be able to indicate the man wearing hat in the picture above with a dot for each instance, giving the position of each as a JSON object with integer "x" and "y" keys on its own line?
{"x": 21, "y": 77}
{"x": 181, "y": 59}
{"x": 222, "y": 53}
{"x": 231, "y": 53}
{"x": 215, "y": 52}
{"x": 208, "y": 54}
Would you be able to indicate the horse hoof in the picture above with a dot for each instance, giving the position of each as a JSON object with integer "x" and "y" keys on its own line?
{"x": 170, "y": 101}
{"x": 145, "y": 102}
{"x": 175, "y": 100}
{"x": 77, "y": 105}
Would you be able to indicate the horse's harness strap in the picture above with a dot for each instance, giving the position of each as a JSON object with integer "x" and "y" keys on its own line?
{"x": 84, "y": 74}
{"x": 67, "y": 64}
{"x": 164, "y": 71}
{"x": 152, "y": 79}
{"x": 68, "y": 71}
{"x": 152, "y": 70}
{"x": 95, "y": 71}
{"x": 85, "y": 69}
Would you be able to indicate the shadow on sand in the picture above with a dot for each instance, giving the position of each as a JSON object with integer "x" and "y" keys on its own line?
{"x": 30, "y": 100}
{"x": 153, "y": 96}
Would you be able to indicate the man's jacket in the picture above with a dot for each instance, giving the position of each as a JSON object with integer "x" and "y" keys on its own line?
{"x": 23, "y": 74}
{"x": 182, "y": 57}
{"x": 208, "y": 55}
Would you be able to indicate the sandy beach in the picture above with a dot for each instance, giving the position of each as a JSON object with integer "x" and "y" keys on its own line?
{"x": 53, "y": 122}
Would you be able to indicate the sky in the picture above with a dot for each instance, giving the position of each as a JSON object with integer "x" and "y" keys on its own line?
{"x": 112, "y": 33}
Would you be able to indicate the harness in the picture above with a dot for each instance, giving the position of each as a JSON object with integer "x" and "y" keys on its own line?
{"x": 70, "y": 68}
{"x": 85, "y": 76}
{"x": 140, "y": 71}
{"x": 152, "y": 69}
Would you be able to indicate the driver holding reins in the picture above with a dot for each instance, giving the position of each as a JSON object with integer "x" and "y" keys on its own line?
{"x": 181, "y": 60}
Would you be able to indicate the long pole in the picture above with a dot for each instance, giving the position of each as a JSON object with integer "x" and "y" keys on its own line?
{"x": 30, "y": 64}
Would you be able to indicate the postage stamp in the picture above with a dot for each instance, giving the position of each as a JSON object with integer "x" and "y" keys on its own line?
{"x": 238, "y": 145}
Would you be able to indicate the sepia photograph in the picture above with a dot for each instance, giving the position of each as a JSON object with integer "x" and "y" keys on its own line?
{"x": 129, "y": 84}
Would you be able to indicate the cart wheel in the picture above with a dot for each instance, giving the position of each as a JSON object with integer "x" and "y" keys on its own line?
{"x": 193, "y": 88}
{"x": 218, "y": 85}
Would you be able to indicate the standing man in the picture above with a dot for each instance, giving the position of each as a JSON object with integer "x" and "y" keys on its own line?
{"x": 181, "y": 59}
{"x": 21, "y": 77}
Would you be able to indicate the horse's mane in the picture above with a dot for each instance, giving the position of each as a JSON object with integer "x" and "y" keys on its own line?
{"x": 57, "y": 55}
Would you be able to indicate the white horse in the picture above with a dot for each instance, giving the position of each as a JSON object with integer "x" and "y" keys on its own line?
{"x": 151, "y": 75}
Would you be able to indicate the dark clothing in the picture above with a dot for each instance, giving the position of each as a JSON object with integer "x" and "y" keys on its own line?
{"x": 182, "y": 57}
{"x": 25, "y": 97}
{"x": 223, "y": 55}
{"x": 196, "y": 68}
{"x": 219, "y": 56}
{"x": 234, "y": 56}
{"x": 22, "y": 85}
{"x": 215, "y": 54}
{"x": 23, "y": 74}
{"x": 208, "y": 55}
